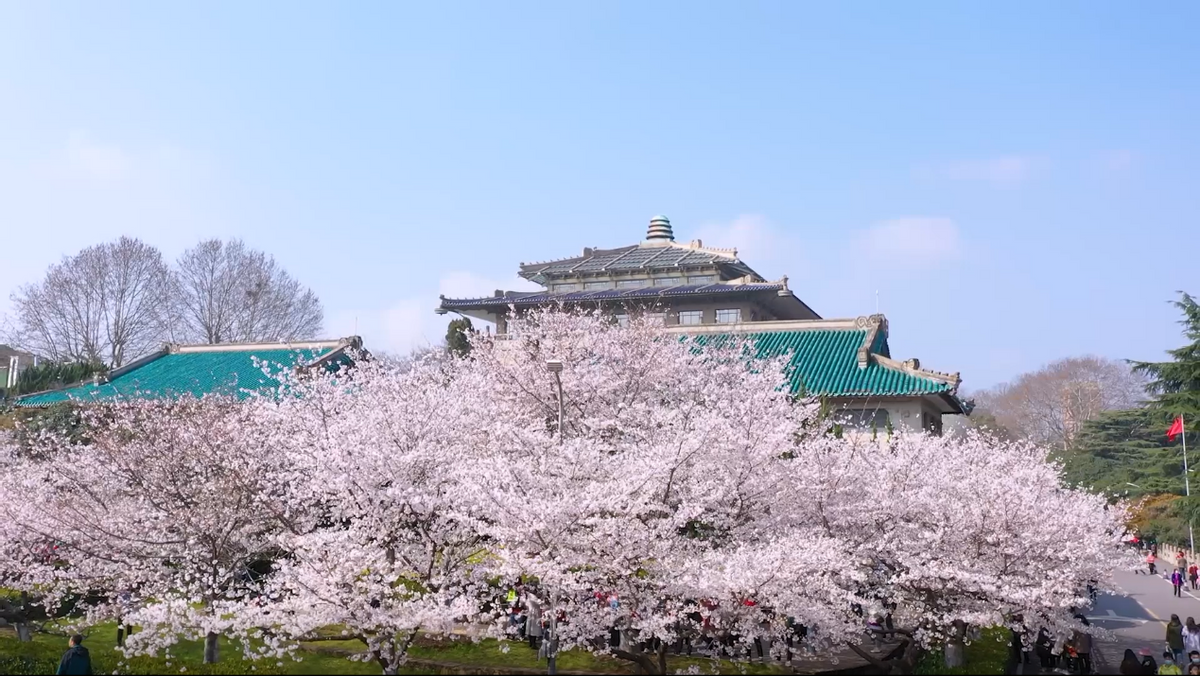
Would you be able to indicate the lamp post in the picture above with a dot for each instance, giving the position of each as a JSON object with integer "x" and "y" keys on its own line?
{"x": 554, "y": 366}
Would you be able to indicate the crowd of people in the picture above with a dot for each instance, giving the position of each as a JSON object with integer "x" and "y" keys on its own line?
{"x": 1171, "y": 663}
{"x": 529, "y": 618}
{"x": 1182, "y": 655}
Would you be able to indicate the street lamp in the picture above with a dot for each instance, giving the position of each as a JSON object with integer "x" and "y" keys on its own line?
{"x": 555, "y": 366}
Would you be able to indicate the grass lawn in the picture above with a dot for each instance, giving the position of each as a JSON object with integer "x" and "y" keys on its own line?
{"x": 325, "y": 657}
{"x": 988, "y": 655}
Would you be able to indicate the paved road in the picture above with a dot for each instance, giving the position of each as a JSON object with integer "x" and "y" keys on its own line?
{"x": 1139, "y": 618}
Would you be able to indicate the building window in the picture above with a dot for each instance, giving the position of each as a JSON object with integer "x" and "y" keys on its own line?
{"x": 691, "y": 317}
{"x": 597, "y": 286}
{"x": 702, "y": 279}
{"x": 622, "y": 320}
{"x": 668, "y": 281}
{"x": 864, "y": 421}
{"x": 932, "y": 423}
{"x": 565, "y": 287}
{"x": 729, "y": 316}
{"x": 657, "y": 317}
{"x": 630, "y": 283}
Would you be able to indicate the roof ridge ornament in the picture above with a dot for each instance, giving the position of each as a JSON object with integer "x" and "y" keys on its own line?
{"x": 660, "y": 230}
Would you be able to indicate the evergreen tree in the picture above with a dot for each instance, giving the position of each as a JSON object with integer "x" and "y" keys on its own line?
{"x": 1120, "y": 448}
{"x": 457, "y": 337}
{"x": 1175, "y": 384}
{"x": 50, "y": 375}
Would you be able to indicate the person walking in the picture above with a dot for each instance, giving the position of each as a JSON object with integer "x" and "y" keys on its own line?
{"x": 1181, "y": 562}
{"x": 1150, "y": 559}
{"x": 76, "y": 660}
{"x": 1191, "y": 636}
{"x": 1175, "y": 637}
{"x": 1194, "y": 575}
{"x": 1177, "y": 582}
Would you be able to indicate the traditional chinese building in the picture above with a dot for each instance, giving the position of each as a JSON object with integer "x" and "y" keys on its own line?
{"x": 231, "y": 369}
{"x": 705, "y": 291}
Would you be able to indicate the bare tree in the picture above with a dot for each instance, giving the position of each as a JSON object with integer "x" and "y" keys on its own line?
{"x": 1051, "y": 404}
{"x": 227, "y": 292}
{"x": 108, "y": 304}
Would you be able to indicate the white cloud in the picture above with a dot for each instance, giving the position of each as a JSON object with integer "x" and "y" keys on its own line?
{"x": 411, "y": 323}
{"x": 911, "y": 240}
{"x": 759, "y": 242}
{"x": 1007, "y": 170}
{"x": 96, "y": 160}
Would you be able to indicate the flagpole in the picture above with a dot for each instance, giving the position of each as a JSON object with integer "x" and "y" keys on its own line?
{"x": 1187, "y": 486}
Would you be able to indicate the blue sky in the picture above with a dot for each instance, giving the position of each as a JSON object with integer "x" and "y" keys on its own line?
{"x": 1018, "y": 182}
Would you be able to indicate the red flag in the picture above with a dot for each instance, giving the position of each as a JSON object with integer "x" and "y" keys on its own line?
{"x": 1176, "y": 429}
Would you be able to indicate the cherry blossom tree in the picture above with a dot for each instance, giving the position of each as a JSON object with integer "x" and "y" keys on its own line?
{"x": 157, "y": 521}
{"x": 659, "y": 489}
{"x": 957, "y": 531}
{"x": 379, "y": 541}
{"x": 687, "y": 485}
{"x": 667, "y": 454}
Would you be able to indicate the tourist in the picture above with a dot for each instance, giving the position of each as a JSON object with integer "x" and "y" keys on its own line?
{"x": 1191, "y": 636}
{"x": 1082, "y": 643}
{"x": 875, "y": 629}
{"x": 1175, "y": 637}
{"x": 1177, "y": 582}
{"x": 1150, "y": 559}
{"x": 533, "y": 620}
{"x": 1130, "y": 665}
{"x": 1149, "y": 666}
{"x": 1194, "y": 575}
{"x": 1044, "y": 649}
{"x": 1181, "y": 562}
{"x": 1193, "y": 669}
{"x": 1168, "y": 665}
{"x": 76, "y": 660}
{"x": 1194, "y": 657}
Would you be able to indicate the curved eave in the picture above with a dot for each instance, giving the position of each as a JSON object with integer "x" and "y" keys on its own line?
{"x": 602, "y": 295}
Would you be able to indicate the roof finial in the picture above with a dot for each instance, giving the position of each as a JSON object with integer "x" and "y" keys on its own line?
{"x": 660, "y": 228}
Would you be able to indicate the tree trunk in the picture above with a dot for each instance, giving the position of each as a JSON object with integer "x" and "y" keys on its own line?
{"x": 24, "y": 634}
{"x": 956, "y": 649}
{"x": 907, "y": 662}
{"x": 210, "y": 648}
{"x": 644, "y": 663}
{"x": 388, "y": 659}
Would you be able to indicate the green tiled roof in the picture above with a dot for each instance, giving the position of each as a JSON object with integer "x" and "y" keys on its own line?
{"x": 228, "y": 372}
{"x": 825, "y": 362}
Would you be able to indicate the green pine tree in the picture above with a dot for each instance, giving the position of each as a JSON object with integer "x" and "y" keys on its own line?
{"x": 1175, "y": 384}
{"x": 458, "y": 340}
{"x": 1125, "y": 453}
